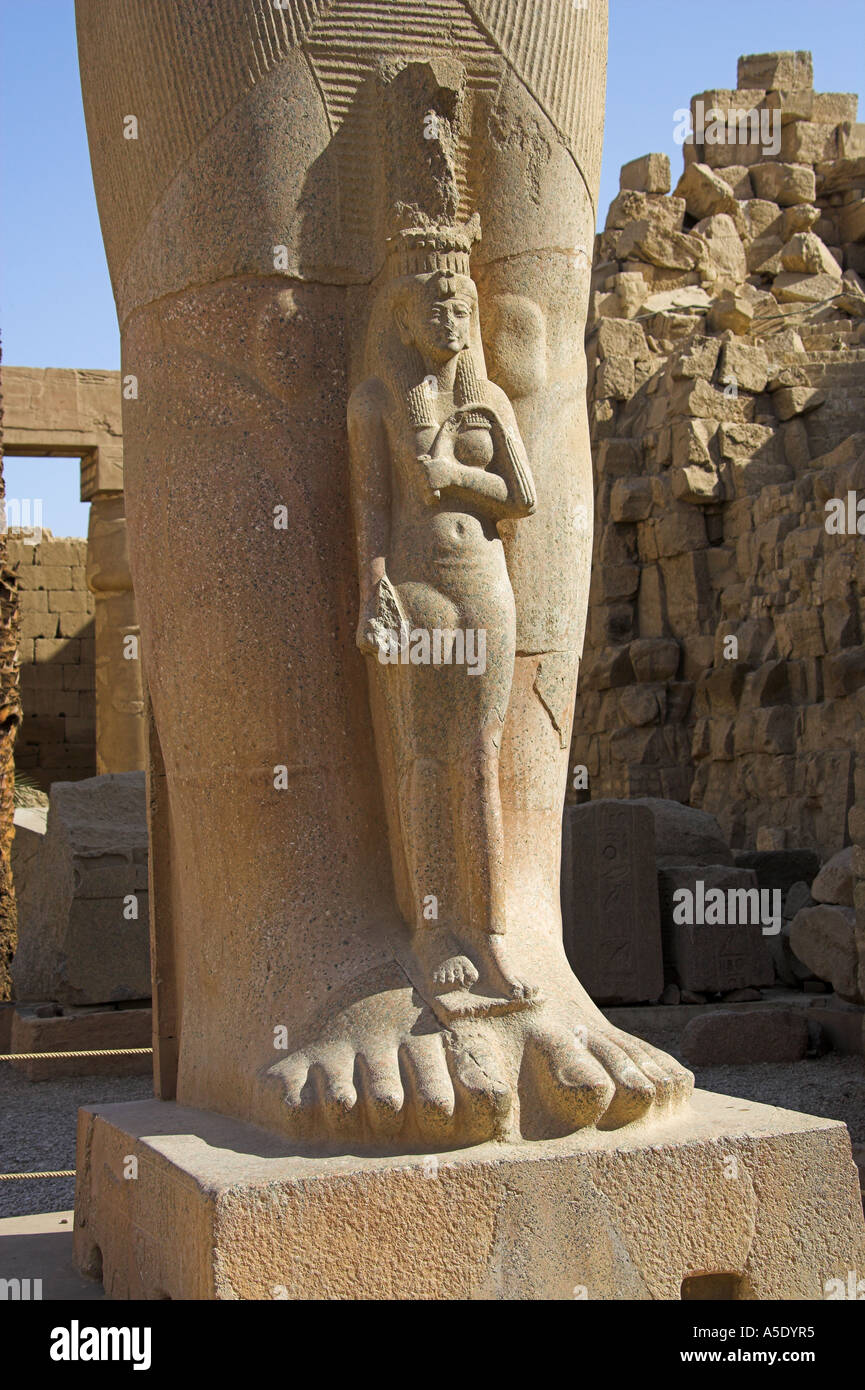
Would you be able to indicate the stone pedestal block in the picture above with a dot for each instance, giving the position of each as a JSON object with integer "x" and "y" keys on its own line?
{"x": 727, "y": 1200}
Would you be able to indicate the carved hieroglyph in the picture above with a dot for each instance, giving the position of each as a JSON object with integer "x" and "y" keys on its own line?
{"x": 381, "y": 215}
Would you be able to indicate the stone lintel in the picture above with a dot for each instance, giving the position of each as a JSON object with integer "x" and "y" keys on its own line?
{"x": 66, "y": 412}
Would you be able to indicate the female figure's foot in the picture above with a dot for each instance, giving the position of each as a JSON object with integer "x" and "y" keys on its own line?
{"x": 467, "y": 976}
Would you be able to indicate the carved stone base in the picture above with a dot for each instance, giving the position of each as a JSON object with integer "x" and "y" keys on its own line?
{"x": 729, "y": 1199}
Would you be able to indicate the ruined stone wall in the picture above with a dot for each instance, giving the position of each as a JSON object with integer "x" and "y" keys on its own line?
{"x": 57, "y": 739}
{"x": 724, "y": 662}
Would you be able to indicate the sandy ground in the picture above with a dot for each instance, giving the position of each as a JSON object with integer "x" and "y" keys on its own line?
{"x": 37, "y": 1119}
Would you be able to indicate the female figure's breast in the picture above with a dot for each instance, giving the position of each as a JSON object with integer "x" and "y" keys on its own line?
{"x": 473, "y": 447}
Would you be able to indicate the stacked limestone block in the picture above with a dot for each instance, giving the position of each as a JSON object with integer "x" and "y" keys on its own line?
{"x": 726, "y": 382}
{"x": 57, "y": 738}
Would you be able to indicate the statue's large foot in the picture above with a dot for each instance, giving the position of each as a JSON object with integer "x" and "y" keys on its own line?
{"x": 384, "y": 1075}
{"x": 574, "y": 1061}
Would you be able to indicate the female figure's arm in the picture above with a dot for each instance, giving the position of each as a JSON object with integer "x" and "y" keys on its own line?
{"x": 506, "y": 489}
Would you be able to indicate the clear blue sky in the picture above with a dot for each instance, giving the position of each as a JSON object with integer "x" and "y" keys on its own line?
{"x": 56, "y": 304}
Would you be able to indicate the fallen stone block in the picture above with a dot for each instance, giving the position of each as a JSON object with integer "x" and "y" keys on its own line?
{"x": 654, "y": 659}
{"x": 809, "y": 142}
{"x": 732, "y": 1037}
{"x": 649, "y": 174}
{"x": 732, "y": 313}
{"x": 851, "y": 221}
{"x": 828, "y": 108}
{"x": 697, "y": 483}
{"x": 762, "y": 218}
{"x": 52, "y": 1028}
{"x": 641, "y": 705}
{"x": 611, "y": 668}
{"x": 851, "y": 140}
{"x": 622, "y": 338}
{"x": 840, "y": 1025}
{"x": 745, "y": 365}
{"x": 738, "y": 176}
{"x": 614, "y": 379}
{"x": 705, "y": 192}
{"x": 702, "y": 953}
{"x": 669, "y": 250}
{"x": 796, "y": 400}
{"x": 631, "y": 499}
{"x": 30, "y": 825}
{"x": 83, "y": 937}
{"x": 787, "y": 965}
{"x": 806, "y": 253}
{"x": 665, "y": 214}
{"x": 773, "y": 71}
{"x": 834, "y": 883}
{"x": 691, "y": 301}
{"x": 794, "y": 287}
{"x": 725, "y": 254}
{"x": 800, "y": 218}
{"x": 781, "y": 868}
{"x": 824, "y": 939}
{"x": 684, "y": 835}
{"x": 784, "y": 184}
{"x": 699, "y": 360}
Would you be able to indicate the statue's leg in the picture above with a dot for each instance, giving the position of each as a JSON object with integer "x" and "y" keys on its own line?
{"x": 425, "y": 795}
{"x": 244, "y": 234}
{"x": 477, "y": 804}
{"x": 532, "y": 268}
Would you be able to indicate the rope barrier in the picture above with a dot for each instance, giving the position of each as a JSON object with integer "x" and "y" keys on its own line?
{"x": 93, "y": 1052}
{"x": 61, "y": 1173}
{"x": 53, "y": 1056}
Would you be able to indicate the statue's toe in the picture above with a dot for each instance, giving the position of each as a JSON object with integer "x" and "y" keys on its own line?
{"x": 634, "y": 1092}
{"x": 483, "y": 1095}
{"x": 573, "y": 1087}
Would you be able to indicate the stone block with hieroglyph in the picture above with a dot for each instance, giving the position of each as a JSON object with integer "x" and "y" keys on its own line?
{"x": 706, "y": 956}
{"x": 611, "y": 922}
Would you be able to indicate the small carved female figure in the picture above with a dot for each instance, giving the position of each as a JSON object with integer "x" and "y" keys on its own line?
{"x": 437, "y": 462}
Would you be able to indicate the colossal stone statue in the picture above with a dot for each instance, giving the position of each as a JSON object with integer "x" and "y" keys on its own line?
{"x": 349, "y": 243}
{"x": 350, "y": 247}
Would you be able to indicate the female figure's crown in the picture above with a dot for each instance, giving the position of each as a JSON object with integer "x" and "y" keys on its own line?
{"x": 421, "y": 250}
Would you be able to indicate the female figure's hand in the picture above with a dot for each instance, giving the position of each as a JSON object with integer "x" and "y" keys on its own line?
{"x": 371, "y": 631}
{"x": 436, "y": 475}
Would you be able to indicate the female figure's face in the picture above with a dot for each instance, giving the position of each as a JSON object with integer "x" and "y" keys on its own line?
{"x": 440, "y": 320}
